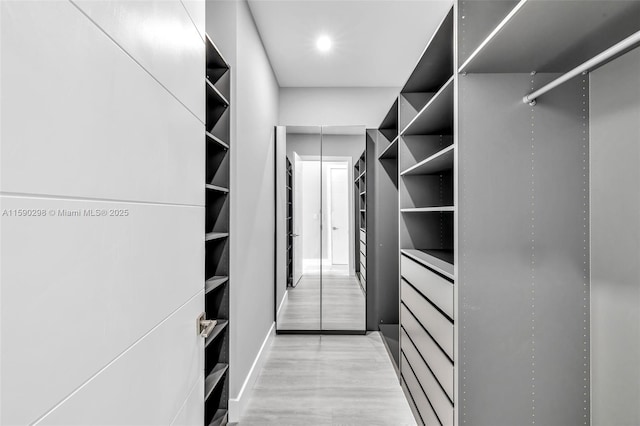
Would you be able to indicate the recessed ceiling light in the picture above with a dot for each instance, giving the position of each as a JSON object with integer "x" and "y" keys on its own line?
{"x": 324, "y": 43}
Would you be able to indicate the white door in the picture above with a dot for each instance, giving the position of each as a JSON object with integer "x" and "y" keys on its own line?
{"x": 339, "y": 216}
{"x": 297, "y": 218}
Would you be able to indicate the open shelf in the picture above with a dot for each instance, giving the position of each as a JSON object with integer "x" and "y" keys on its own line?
{"x": 214, "y": 379}
{"x": 214, "y": 94}
{"x": 437, "y": 116}
{"x": 216, "y": 188}
{"x": 215, "y": 236}
{"x": 440, "y": 261}
{"x": 214, "y": 282}
{"x": 213, "y": 55}
{"x": 220, "y": 418}
{"x": 216, "y": 140}
{"x": 438, "y": 162}
{"x": 391, "y": 151}
{"x": 436, "y": 63}
{"x": 553, "y": 36}
{"x": 389, "y": 125}
{"x": 429, "y": 209}
{"x": 220, "y": 326}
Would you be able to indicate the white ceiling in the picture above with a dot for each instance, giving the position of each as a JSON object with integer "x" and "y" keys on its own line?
{"x": 375, "y": 43}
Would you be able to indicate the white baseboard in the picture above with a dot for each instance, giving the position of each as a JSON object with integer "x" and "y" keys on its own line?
{"x": 237, "y": 405}
{"x": 282, "y": 302}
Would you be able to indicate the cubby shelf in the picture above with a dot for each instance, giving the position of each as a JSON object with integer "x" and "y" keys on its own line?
{"x": 213, "y": 56}
{"x": 214, "y": 379}
{"x": 216, "y": 188}
{"x": 391, "y": 151}
{"x": 217, "y": 97}
{"x": 519, "y": 44}
{"x": 389, "y": 125}
{"x": 429, "y": 209}
{"x": 215, "y": 236}
{"x": 219, "y": 418}
{"x": 216, "y": 140}
{"x": 214, "y": 282}
{"x": 219, "y": 328}
{"x": 437, "y": 115}
{"x": 436, "y": 62}
{"x": 438, "y": 162}
{"x": 440, "y": 261}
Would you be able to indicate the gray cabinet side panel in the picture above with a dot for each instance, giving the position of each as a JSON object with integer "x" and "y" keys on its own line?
{"x": 523, "y": 273}
{"x": 386, "y": 261}
{"x": 371, "y": 232}
{"x": 615, "y": 241}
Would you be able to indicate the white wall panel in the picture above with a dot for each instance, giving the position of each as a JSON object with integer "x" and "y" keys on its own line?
{"x": 80, "y": 118}
{"x": 161, "y": 36}
{"x": 147, "y": 384}
{"x": 192, "y": 412}
{"x": 196, "y": 10}
{"x": 78, "y": 291}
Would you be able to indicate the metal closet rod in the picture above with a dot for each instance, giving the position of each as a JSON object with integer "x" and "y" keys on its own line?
{"x": 585, "y": 67}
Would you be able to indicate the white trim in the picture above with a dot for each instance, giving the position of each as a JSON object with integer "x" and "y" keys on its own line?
{"x": 285, "y": 297}
{"x": 238, "y": 405}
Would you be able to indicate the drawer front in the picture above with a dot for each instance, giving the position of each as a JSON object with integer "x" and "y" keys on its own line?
{"x": 438, "y": 326}
{"x": 422, "y": 404}
{"x": 363, "y": 257}
{"x": 435, "y": 288}
{"x": 363, "y": 268}
{"x": 438, "y": 361}
{"x": 412, "y": 405}
{"x": 363, "y": 236}
{"x": 363, "y": 247}
{"x": 436, "y": 395}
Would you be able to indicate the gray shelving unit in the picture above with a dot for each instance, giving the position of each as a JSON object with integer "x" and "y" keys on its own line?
{"x": 217, "y": 193}
{"x": 522, "y": 270}
{"x": 426, "y": 152}
{"x": 383, "y": 292}
{"x": 360, "y": 194}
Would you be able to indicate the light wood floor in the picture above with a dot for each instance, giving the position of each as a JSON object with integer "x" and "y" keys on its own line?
{"x": 343, "y": 304}
{"x": 327, "y": 380}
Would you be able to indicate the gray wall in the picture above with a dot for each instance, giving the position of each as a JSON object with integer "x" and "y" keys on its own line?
{"x": 615, "y": 241}
{"x": 335, "y": 106}
{"x": 254, "y": 96}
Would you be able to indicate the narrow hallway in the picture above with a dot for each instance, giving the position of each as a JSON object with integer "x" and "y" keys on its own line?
{"x": 327, "y": 380}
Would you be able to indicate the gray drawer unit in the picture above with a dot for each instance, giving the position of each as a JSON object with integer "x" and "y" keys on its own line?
{"x": 419, "y": 398}
{"x": 434, "y": 287}
{"x": 438, "y": 361}
{"x": 436, "y": 395}
{"x": 438, "y": 326}
{"x": 363, "y": 236}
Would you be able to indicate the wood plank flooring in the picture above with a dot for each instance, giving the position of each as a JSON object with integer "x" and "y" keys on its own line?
{"x": 327, "y": 380}
{"x": 343, "y": 304}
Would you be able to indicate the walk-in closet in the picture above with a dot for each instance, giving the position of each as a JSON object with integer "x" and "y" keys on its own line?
{"x": 318, "y": 212}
